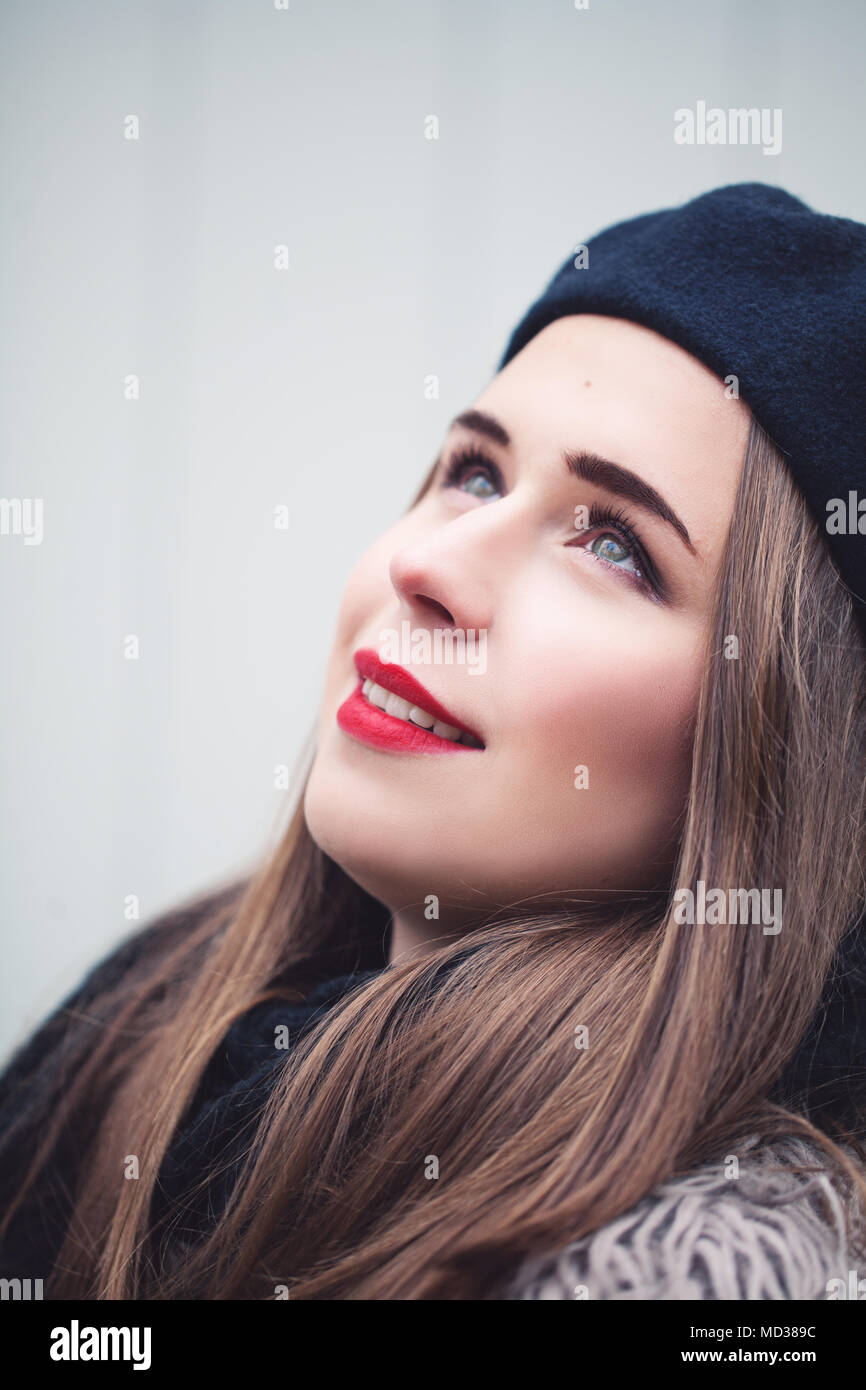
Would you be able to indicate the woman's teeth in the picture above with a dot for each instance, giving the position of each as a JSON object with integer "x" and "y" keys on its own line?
{"x": 399, "y": 708}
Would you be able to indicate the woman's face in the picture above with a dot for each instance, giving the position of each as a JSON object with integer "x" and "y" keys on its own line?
{"x": 574, "y": 542}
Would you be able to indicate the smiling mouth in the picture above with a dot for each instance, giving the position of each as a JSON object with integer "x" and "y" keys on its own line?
{"x": 390, "y": 710}
{"x": 398, "y": 708}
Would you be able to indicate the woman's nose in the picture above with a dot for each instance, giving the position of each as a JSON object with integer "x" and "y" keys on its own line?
{"x": 455, "y": 574}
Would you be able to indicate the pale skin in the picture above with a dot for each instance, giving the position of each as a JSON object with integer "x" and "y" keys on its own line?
{"x": 585, "y": 667}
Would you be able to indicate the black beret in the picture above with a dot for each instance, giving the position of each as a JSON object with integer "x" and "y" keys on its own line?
{"x": 760, "y": 288}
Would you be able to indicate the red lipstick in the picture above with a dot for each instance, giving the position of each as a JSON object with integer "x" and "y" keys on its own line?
{"x": 371, "y": 725}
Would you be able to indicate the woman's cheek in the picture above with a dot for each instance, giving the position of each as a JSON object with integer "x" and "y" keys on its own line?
{"x": 365, "y": 593}
{"x": 642, "y": 754}
{"x": 613, "y": 719}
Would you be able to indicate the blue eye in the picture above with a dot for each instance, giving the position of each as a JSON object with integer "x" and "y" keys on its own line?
{"x": 472, "y": 472}
{"x": 617, "y": 546}
{"x": 615, "y": 543}
{"x": 612, "y": 550}
{"x": 608, "y": 547}
{"x": 478, "y": 484}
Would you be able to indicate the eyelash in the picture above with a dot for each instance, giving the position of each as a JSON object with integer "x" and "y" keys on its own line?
{"x": 462, "y": 460}
{"x": 602, "y": 517}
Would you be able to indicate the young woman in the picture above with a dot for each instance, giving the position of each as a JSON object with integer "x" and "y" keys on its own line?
{"x": 578, "y": 1009}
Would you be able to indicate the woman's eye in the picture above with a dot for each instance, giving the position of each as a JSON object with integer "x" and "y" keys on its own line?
{"x": 615, "y": 550}
{"x": 613, "y": 542}
{"x": 478, "y": 484}
{"x": 471, "y": 472}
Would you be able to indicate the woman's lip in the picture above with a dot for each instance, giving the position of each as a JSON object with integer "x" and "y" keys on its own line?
{"x": 371, "y": 725}
{"x": 396, "y": 679}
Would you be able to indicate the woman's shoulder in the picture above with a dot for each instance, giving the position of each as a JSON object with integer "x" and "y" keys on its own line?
{"x": 213, "y": 1138}
{"x": 62, "y": 1036}
{"x": 755, "y": 1228}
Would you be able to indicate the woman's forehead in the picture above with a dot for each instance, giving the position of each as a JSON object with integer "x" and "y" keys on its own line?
{"x": 580, "y": 353}
{"x": 623, "y": 391}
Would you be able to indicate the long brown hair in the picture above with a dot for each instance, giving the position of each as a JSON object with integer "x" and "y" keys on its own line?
{"x": 467, "y": 1056}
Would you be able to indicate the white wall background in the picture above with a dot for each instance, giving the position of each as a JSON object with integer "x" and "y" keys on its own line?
{"x": 407, "y": 256}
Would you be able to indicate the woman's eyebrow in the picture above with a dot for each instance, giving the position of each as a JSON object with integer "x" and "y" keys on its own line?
{"x": 612, "y": 476}
{"x": 590, "y": 468}
{"x": 485, "y": 424}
